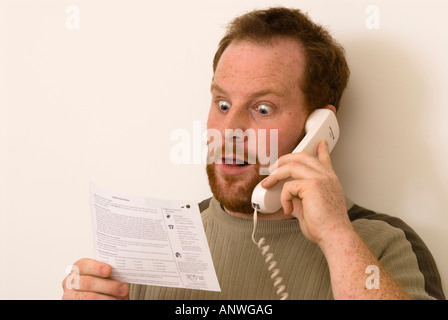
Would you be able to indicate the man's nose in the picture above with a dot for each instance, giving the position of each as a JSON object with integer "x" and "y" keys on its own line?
{"x": 236, "y": 118}
{"x": 236, "y": 133}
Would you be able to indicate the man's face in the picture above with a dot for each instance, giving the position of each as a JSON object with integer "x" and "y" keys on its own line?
{"x": 254, "y": 87}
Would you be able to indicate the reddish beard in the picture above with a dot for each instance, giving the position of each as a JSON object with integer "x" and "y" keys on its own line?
{"x": 234, "y": 192}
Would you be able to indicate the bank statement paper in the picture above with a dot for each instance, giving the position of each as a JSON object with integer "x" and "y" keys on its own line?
{"x": 151, "y": 241}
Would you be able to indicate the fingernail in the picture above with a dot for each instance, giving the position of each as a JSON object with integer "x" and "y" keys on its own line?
{"x": 263, "y": 182}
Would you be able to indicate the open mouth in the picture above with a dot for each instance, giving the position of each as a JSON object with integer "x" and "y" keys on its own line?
{"x": 234, "y": 166}
{"x": 235, "y": 162}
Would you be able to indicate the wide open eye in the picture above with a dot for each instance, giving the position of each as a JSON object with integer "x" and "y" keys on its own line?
{"x": 224, "y": 105}
{"x": 264, "y": 109}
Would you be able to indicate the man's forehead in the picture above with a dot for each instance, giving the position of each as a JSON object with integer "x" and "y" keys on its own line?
{"x": 269, "y": 67}
{"x": 282, "y": 60}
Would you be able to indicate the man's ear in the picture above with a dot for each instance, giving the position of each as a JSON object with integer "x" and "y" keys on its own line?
{"x": 330, "y": 107}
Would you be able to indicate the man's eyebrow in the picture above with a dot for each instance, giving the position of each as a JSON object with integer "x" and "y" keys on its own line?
{"x": 266, "y": 92}
{"x": 260, "y": 93}
{"x": 217, "y": 88}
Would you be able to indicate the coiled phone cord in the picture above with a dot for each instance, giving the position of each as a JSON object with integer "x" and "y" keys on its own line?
{"x": 270, "y": 263}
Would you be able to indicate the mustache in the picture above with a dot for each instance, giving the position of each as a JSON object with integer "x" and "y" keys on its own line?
{"x": 233, "y": 147}
{"x": 234, "y": 155}
{"x": 242, "y": 148}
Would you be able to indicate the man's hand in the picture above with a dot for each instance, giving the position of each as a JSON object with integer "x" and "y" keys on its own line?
{"x": 316, "y": 199}
{"x": 93, "y": 283}
{"x": 315, "y": 196}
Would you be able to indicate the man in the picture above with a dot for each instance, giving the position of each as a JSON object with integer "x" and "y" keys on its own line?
{"x": 271, "y": 70}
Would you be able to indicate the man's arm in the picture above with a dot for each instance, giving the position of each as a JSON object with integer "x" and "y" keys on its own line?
{"x": 348, "y": 258}
{"x": 315, "y": 197}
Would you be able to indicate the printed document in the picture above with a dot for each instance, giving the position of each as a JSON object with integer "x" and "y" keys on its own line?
{"x": 151, "y": 241}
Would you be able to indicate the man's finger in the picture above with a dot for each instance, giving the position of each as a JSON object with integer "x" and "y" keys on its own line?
{"x": 93, "y": 268}
{"x": 104, "y": 286}
{"x": 323, "y": 154}
{"x": 86, "y": 295}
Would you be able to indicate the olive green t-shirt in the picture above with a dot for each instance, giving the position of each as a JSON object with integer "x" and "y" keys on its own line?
{"x": 243, "y": 273}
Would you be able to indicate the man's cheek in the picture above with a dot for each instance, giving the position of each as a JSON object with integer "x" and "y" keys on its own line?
{"x": 267, "y": 149}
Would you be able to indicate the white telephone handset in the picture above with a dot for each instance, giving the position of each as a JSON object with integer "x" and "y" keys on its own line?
{"x": 320, "y": 125}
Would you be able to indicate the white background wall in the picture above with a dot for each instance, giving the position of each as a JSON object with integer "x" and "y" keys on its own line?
{"x": 99, "y": 103}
